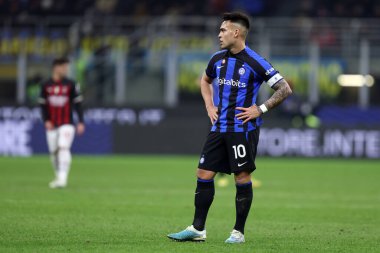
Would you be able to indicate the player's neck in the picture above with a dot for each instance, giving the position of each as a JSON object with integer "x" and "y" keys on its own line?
{"x": 237, "y": 48}
{"x": 56, "y": 78}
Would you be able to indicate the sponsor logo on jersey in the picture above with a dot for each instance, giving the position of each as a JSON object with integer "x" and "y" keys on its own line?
{"x": 58, "y": 101}
{"x": 231, "y": 82}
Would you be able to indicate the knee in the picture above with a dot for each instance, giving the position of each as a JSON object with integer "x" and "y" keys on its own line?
{"x": 63, "y": 152}
{"x": 242, "y": 178}
{"x": 53, "y": 151}
{"x": 63, "y": 148}
{"x": 205, "y": 174}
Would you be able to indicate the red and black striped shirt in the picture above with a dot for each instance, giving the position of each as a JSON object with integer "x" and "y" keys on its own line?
{"x": 58, "y": 99}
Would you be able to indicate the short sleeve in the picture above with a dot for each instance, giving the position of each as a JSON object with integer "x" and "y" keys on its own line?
{"x": 210, "y": 70}
{"x": 266, "y": 71}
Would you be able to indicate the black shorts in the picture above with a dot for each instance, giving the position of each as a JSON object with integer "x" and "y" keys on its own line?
{"x": 230, "y": 152}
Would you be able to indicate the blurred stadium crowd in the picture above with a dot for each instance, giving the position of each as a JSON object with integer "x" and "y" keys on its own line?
{"x": 265, "y": 8}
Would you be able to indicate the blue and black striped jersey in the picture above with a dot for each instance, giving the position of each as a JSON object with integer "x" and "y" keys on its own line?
{"x": 238, "y": 78}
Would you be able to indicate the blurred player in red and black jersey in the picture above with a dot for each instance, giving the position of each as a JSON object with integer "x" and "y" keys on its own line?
{"x": 59, "y": 96}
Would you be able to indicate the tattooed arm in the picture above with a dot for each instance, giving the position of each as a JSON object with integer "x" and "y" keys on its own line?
{"x": 282, "y": 91}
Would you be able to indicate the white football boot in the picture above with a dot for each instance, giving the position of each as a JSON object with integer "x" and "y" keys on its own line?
{"x": 235, "y": 237}
{"x": 57, "y": 183}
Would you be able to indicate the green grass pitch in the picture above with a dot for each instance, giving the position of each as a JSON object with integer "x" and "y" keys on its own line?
{"x": 130, "y": 203}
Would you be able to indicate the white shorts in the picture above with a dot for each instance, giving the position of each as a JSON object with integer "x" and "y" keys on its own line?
{"x": 61, "y": 137}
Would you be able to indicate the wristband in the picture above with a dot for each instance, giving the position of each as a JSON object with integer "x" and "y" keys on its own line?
{"x": 263, "y": 108}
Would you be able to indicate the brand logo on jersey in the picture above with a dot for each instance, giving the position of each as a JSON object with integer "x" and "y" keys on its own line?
{"x": 224, "y": 61}
{"x": 56, "y": 89}
{"x": 58, "y": 101}
{"x": 241, "y": 71}
{"x": 231, "y": 82}
{"x": 202, "y": 160}
{"x": 269, "y": 71}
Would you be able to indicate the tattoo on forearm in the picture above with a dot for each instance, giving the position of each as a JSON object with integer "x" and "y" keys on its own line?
{"x": 282, "y": 91}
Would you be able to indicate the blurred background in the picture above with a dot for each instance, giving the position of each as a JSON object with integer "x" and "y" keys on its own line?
{"x": 139, "y": 65}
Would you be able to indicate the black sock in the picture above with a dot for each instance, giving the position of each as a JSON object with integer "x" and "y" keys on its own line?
{"x": 204, "y": 195}
{"x": 243, "y": 201}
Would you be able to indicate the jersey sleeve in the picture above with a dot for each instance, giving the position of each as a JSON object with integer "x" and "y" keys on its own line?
{"x": 76, "y": 95}
{"x": 266, "y": 71}
{"x": 42, "y": 100}
{"x": 210, "y": 70}
{"x": 77, "y": 98}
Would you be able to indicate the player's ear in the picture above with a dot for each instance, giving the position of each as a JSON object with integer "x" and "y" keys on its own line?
{"x": 236, "y": 33}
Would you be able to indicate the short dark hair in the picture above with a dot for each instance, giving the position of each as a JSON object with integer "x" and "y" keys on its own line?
{"x": 60, "y": 61}
{"x": 237, "y": 17}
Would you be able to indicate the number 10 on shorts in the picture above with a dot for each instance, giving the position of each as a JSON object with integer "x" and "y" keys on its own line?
{"x": 239, "y": 151}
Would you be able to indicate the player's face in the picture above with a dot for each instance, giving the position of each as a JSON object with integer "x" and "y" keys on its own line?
{"x": 61, "y": 70}
{"x": 227, "y": 35}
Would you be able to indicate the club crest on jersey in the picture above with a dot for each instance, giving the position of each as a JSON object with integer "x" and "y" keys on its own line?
{"x": 241, "y": 71}
{"x": 202, "y": 160}
{"x": 224, "y": 61}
